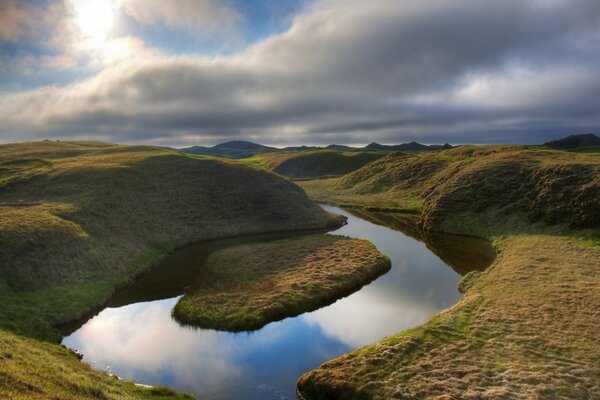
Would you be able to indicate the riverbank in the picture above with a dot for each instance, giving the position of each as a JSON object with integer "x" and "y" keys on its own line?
{"x": 527, "y": 326}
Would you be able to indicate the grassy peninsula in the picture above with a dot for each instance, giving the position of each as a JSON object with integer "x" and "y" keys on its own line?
{"x": 79, "y": 219}
{"x": 250, "y": 285}
{"x": 527, "y": 326}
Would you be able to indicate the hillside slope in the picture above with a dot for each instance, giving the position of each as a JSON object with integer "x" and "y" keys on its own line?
{"x": 544, "y": 185}
{"x": 314, "y": 164}
{"x": 527, "y": 326}
{"x": 74, "y": 212}
{"x": 78, "y": 220}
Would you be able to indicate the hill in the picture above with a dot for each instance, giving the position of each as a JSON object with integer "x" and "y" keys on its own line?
{"x": 574, "y": 142}
{"x": 406, "y": 147}
{"x": 232, "y": 149}
{"x": 314, "y": 164}
{"x": 545, "y": 185}
{"x": 79, "y": 219}
{"x": 527, "y": 326}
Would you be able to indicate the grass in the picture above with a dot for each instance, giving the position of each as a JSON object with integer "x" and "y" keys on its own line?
{"x": 313, "y": 164}
{"x": 33, "y": 369}
{"x": 548, "y": 186}
{"x": 250, "y": 285}
{"x": 80, "y": 219}
{"x": 527, "y": 326}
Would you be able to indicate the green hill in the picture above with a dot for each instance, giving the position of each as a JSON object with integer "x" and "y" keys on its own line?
{"x": 545, "y": 185}
{"x": 315, "y": 163}
{"x": 79, "y": 219}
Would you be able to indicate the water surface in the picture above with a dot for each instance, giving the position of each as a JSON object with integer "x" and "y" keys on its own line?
{"x": 135, "y": 337}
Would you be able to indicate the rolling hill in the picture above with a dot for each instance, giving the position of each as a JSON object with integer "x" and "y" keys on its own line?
{"x": 314, "y": 164}
{"x": 80, "y": 219}
{"x": 244, "y": 149}
{"x": 233, "y": 149}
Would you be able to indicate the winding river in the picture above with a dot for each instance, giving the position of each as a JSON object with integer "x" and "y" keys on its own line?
{"x": 135, "y": 338}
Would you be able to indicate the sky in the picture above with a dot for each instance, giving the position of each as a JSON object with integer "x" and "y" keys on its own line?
{"x": 289, "y": 72}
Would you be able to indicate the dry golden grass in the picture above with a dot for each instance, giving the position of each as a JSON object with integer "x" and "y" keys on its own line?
{"x": 526, "y": 328}
{"x": 250, "y": 285}
{"x": 545, "y": 185}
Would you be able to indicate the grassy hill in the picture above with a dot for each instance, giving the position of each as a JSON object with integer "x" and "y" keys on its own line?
{"x": 315, "y": 163}
{"x": 78, "y": 219}
{"x": 527, "y": 326}
{"x": 544, "y": 185}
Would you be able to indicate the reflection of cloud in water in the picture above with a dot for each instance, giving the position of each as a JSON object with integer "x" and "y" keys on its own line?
{"x": 142, "y": 342}
{"x": 143, "y": 338}
{"x": 365, "y": 317}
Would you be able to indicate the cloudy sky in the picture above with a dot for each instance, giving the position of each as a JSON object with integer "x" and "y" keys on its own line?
{"x": 186, "y": 72}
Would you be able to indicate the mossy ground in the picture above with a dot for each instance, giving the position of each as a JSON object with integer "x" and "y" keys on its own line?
{"x": 527, "y": 326}
{"x": 248, "y": 286}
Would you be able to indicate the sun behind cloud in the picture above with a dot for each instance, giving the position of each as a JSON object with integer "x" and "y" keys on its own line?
{"x": 95, "y": 18}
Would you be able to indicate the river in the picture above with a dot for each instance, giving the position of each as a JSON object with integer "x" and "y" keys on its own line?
{"x": 135, "y": 338}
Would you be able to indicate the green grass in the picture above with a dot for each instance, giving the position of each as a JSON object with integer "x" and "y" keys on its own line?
{"x": 80, "y": 219}
{"x": 248, "y": 286}
{"x": 33, "y": 369}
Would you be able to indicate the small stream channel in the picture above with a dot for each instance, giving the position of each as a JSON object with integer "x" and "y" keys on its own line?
{"x": 135, "y": 337}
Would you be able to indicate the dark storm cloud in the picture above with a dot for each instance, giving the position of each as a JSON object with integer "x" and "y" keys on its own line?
{"x": 352, "y": 71}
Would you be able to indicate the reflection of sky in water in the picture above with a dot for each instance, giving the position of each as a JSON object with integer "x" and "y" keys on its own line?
{"x": 141, "y": 342}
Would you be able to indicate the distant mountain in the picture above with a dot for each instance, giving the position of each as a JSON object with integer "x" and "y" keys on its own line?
{"x": 242, "y": 145}
{"x": 412, "y": 146}
{"x": 575, "y": 142}
{"x": 341, "y": 147}
{"x": 232, "y": 149}
{"x": 244, "y": 149}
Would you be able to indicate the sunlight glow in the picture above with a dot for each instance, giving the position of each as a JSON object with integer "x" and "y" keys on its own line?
{"x": 95, "y": 18}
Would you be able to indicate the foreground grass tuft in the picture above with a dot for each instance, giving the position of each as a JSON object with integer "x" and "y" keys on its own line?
{"x": 250, "y": 285}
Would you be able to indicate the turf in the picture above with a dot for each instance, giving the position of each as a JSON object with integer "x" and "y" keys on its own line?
{"x": 250, "y": 285}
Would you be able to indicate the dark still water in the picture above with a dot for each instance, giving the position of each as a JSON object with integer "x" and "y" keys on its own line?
{"x": 136, "y": 338}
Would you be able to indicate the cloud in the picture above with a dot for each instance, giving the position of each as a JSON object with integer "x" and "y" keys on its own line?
{"x": 13, "y": 20}
{"x": 198, "y": 16}
{"x": 351, "y": 71}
